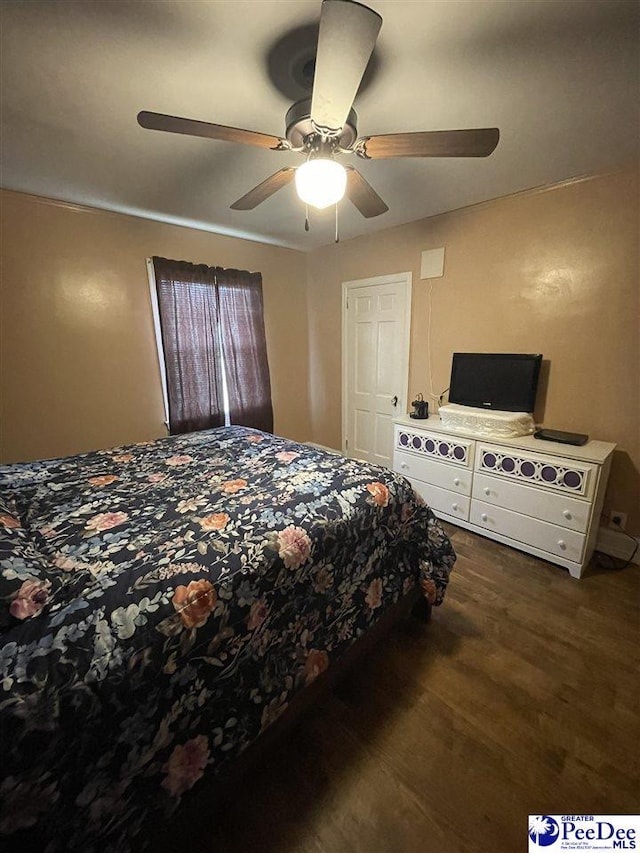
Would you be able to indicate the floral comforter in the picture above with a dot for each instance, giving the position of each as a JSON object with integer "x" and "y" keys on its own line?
{"x": 161, "y": 604}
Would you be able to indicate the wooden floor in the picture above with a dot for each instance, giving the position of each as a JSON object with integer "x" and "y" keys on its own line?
{"x": 520, "y": 697}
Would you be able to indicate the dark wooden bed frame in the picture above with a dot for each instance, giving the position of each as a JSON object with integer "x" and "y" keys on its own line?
{"x": 411, "y": 605}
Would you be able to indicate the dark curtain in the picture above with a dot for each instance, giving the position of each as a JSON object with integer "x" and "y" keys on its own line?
{"x": 189, "y": 318}
{"x": 245, "y": 349}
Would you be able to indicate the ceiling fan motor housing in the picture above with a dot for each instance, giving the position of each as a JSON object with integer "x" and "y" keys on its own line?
{"x": 299, "y": 127}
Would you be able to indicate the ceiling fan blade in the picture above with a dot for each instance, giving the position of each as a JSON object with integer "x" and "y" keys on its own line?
{"x": 431, "y": 143}
{"x": 267, "y": 188}
{"x": 363, "y": 196}
{"x": 192, "y": 127}
{"x": 348, "y": 33}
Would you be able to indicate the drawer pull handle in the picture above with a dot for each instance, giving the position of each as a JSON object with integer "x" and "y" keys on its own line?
{"x": 456, "y": 481}
{"x": 454, "y": 507}
{"x": 403, "y": 465}
{"x": 567, "y": 514}
{"x": 487, "y": 490}
{"x": 484, "y": 516}
{"x": 562, "y": 545}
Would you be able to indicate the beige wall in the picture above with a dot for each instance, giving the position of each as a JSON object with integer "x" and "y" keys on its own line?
{"x": 79, "y": 366}
{"x": 552, "y": 271}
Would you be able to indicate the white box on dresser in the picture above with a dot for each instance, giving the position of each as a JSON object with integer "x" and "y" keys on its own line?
{"x": 539, "y": 496}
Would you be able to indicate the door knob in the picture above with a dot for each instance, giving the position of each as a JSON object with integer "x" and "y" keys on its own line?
{"x": 394, "y": 400}
{"x": 484, "y": 516}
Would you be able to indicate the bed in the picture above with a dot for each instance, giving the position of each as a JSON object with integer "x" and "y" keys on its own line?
{"x": 162, "y": 604}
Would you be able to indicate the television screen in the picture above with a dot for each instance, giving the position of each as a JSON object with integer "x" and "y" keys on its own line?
{"x": 504, "y": 381}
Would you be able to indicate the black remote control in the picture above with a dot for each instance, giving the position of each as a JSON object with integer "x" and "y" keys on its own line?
{"x": 576, "y": 438}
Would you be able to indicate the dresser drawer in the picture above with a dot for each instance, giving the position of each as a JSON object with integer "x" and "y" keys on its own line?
{"x": 437, "y": 473}
{"x": 554, "y": 473}
{"x": 442, "y": 500}
{"x": 444, "y": 448}
{"x": 559, "y": 509}
{"x": 530, "y": 531}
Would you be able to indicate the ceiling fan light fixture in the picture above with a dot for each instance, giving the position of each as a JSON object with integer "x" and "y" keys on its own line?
{"x": 321, "y": 182}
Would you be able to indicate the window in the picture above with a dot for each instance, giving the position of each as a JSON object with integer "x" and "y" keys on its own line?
{"x": 211, "y": 346}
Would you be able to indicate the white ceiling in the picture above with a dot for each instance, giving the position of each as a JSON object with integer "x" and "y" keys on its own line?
{"x": 558, "y": 77}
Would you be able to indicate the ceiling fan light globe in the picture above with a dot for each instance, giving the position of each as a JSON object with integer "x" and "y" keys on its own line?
{"x": 321, "y": 182}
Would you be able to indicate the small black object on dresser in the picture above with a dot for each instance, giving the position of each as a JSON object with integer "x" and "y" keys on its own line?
{"x": 576, "y": 438}
{"x": 421, "y": 408}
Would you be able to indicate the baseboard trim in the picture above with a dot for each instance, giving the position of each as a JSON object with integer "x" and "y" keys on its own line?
{"x": 324, "y": 447}
{"x": 616, "y": 544}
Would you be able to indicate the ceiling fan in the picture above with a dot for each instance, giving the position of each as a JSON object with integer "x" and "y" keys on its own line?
{"x": 323, "y": 128}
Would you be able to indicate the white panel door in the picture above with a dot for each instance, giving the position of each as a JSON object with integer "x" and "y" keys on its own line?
{"x": 375, "y": 364}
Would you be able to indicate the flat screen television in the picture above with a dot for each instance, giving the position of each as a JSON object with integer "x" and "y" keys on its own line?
{"x": 503, "y": 381}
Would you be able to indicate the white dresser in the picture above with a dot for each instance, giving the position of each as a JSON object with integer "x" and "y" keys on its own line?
{"x": 539, "y": 496}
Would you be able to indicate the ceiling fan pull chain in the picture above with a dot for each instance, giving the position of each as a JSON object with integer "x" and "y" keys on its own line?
{"x": 306, "y": 217}
{"x": 337, "y": 234}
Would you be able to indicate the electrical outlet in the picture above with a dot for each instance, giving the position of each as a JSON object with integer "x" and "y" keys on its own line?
{"x": 617, "y": 520}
